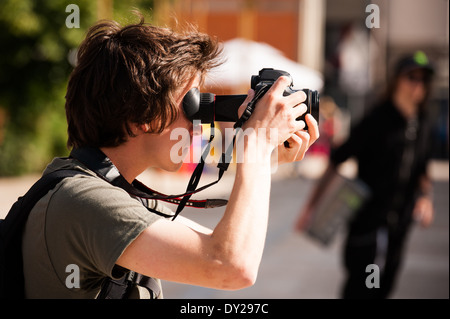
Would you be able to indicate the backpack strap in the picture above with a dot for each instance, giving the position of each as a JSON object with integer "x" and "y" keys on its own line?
{"x": 12, "y": 283}
{"x": 18, "y": 214}
{"x": 121, "y": 288}
{"x": 149, "y": 283}
{"x": 11, "y": 229}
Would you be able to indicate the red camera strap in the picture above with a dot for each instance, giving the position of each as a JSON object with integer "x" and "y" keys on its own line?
{"x": 98, "y": 162}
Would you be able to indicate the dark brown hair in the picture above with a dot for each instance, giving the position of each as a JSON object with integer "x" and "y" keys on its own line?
{"x": 129, "y": 75}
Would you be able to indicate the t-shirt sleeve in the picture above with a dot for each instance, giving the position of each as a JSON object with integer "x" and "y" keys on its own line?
{"x": 90, "y": 223}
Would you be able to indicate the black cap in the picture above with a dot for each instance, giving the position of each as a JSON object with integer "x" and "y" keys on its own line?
{"x": 418, "y": 60}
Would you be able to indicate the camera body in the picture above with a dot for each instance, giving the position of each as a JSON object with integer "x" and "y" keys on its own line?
{"x": 208, "y": 107}
{"x": 267, "y": 77}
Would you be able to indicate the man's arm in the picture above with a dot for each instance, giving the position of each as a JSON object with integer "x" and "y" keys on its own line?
{"x": 225, "y": 258}
{"x": 423, "y": 209}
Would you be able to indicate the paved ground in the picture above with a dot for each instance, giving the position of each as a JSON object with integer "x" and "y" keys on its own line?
{"x": 293, "y": 265}
{"x": 296, "y": 267}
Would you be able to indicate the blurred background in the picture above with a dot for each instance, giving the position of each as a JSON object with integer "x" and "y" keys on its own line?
{"x": 343, "y": 48}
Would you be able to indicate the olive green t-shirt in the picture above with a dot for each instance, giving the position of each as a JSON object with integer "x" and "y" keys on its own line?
{"x": 76, "y": 232}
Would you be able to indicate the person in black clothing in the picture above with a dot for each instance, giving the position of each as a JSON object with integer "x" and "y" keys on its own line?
{"x": 392, "y": 148}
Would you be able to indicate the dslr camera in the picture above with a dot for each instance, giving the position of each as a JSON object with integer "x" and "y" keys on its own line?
{"x": 208, "y": 107}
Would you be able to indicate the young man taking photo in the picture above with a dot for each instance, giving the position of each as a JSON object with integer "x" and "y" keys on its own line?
{"x": 123, "y": 99}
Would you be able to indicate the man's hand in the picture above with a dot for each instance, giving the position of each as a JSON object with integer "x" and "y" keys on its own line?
{"x": 299, "y": 142}
{"x": 423, "y": 211}
{"x": 277, "y": 112}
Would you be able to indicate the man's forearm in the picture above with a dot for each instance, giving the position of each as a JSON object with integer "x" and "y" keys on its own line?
{"x": 240, "y": 235}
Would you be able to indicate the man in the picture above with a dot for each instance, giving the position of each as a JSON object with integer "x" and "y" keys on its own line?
{"x": 123, "y": 99}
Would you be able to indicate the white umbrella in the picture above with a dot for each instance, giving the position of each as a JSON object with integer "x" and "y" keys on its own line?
{"x": 244, "y": 58}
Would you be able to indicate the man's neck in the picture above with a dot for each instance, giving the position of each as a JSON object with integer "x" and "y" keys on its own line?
{"x": 126, "y": 160}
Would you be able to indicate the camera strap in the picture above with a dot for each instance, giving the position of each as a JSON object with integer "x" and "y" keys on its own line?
{"x": 251, "y": 106}
{"x": 98, "y": 162}
{"x": 226, "y": 156}
{"x": 195, "y": 177}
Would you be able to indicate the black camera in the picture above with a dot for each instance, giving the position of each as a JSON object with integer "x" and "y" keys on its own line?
{"x": 208, "y": 107}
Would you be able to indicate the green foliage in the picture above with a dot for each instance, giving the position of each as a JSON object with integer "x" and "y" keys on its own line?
{"x": 33, "y": 76}
{"x": 35, "y": 45}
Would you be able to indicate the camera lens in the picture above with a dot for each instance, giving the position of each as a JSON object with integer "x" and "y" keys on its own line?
{"x": 312, "y": 105}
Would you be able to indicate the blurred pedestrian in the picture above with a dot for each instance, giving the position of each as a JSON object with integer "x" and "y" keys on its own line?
{"x": 392, "y": 148}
